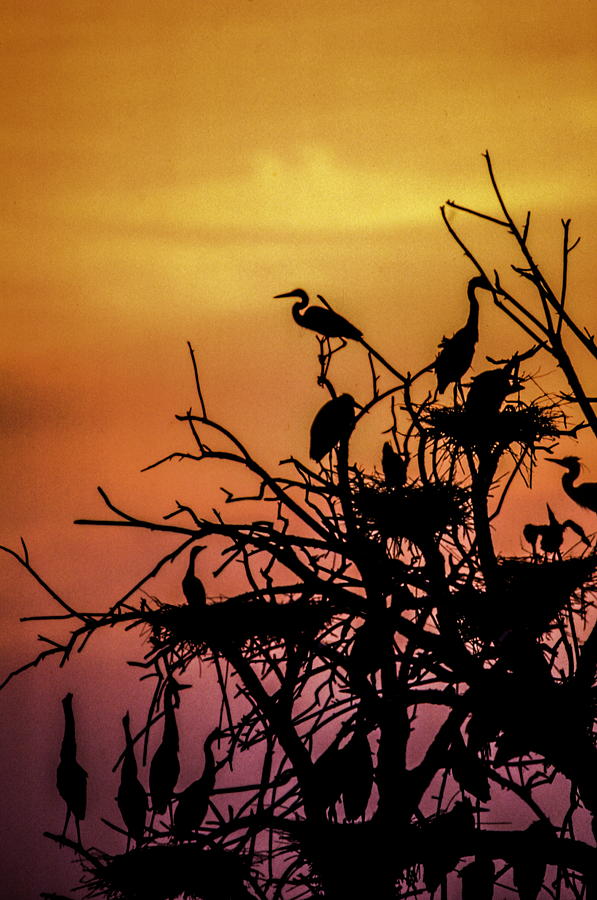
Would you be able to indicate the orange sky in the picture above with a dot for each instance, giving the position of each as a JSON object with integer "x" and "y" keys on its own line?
{"x": 167, "y": 168}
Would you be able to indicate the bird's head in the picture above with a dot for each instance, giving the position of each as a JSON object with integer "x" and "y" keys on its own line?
{"x": 297, "y": 292}
{"x": 67, "y": 700}
{"x": 481, "y": 282}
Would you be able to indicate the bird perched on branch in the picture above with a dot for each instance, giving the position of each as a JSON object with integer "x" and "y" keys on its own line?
{"x": 131, "y": 797}
{"x": 71, "y": 778}
{"x": 584, "y": 494}
{"x": 358, "y": 769}
{"x": 469, "y": 771}
{"x": 394, "y": 466}
{"x": 551, "y": 537}
{"x": 193, "y": 802}
{"x": 320, "y": 319}
{"x": 333, "y": 423}
{"x": 456, "y": 352}
{"x": 165, "y": 767}
{"x": 192, "y": 586}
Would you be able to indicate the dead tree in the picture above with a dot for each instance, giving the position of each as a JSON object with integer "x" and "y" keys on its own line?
{"x": 389, "y": 673}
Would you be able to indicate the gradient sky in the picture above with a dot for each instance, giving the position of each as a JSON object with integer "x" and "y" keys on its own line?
{"x": 166, "y": 169}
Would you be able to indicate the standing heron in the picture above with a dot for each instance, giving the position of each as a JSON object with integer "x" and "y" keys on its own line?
{"x": 71, "y": 778}
{"x": 333, "y": 424}
{"x": 131, "y": 797}
{"x": 320, "y": 319}
{"x": 456, "y": 352}
{"x": 165, "y": 767}
{"x": 193, "y": 802}
{"x": 330, "y": 324}
{"x": 584, "y": 494}
{"x": 192, "y": 586}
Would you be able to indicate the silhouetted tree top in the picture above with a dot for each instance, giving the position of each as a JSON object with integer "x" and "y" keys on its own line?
{"x": 386, "y": 673}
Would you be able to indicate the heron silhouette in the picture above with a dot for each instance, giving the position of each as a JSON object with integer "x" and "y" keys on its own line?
{"x": 192, "y": 586}
{"x": 333, "y": 423}
{"x": 345, "y": 773}
{"x": 193, "y": 802}
{"x": 330, "y": 324}
{"x": 488, "y": 391}
{"x": 320, "y": 319}
{"x": 469, "y": 771}
{"x": 394, "y": 466}
{"x": 529, "y": 866}
{"x": 71, "y": 778}
{"x": 477, "y": 879}
{"x": 165, "y": 767}
{"x": 456, "y": 352}
{"x": 131, "y": 797}
{"x": 584, "y": 494}
{"x": 357, "y": 768}
{"x": 551, "y": 537}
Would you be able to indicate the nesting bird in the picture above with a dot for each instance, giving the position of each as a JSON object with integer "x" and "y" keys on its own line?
{"x": 333, "y": 424}
{"x": 320, "y": 319}
{"x": 192, "y": 586}
{"x": 71, "y": 778}
{"x": 456, "y": 352}
{"x": 131, "y": 797}
{"x": 193, "y": 802}
{"x": 394, "y": 466}
{"x": 165, "y": 767}
{"x": 584, "y": 494}
{"x": 488, "y": 391}
{"x": 551, "y": 537}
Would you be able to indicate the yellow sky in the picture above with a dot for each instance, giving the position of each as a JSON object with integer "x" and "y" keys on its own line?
{"x": 168, "y": 167}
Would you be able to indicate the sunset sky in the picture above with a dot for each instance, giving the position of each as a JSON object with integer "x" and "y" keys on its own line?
{"x": 166, "y": 169}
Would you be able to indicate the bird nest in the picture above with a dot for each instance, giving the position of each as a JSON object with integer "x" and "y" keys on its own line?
{"x": 167, "y": 871}
{"x": 417, "y": 512}
{"x": 233, "y": 623}
{"x": 531, "y": 596}
{"x": 526, "y": 425}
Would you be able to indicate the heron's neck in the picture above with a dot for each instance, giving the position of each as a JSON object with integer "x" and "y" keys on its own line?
{"x": 472, "y": 322}
{"x": 296, "y": 309}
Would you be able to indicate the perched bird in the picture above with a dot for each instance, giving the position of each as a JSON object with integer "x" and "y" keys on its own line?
{"x": 469, "y": 771}
{"x": 193, "y": 802}
{"x": 488, "y": 391}
{"x": 131, "y": 797}
{"x": 320, "y": 319}
{"x": 456, "y": 353}
{"x": 192, "y": 586}
{"x": 584, "y": 494}
{"x": 328, "y": 776}
{"x": 345, "y": 773}
{"x": 333, "y": 423}
{"x": 357, "y": 764}
{"x": 394, "y": 466}
{"x": 71, "y": 778}
{"x": 529, "y": 867}
{"x": 551, "y": 537}
{"x": 478, "y": 878}
{"x": 165, "y": 767}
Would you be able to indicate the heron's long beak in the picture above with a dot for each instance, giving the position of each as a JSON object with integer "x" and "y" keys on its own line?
{"x": 558, "y": 462}
{"x": 297, "y": 292}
